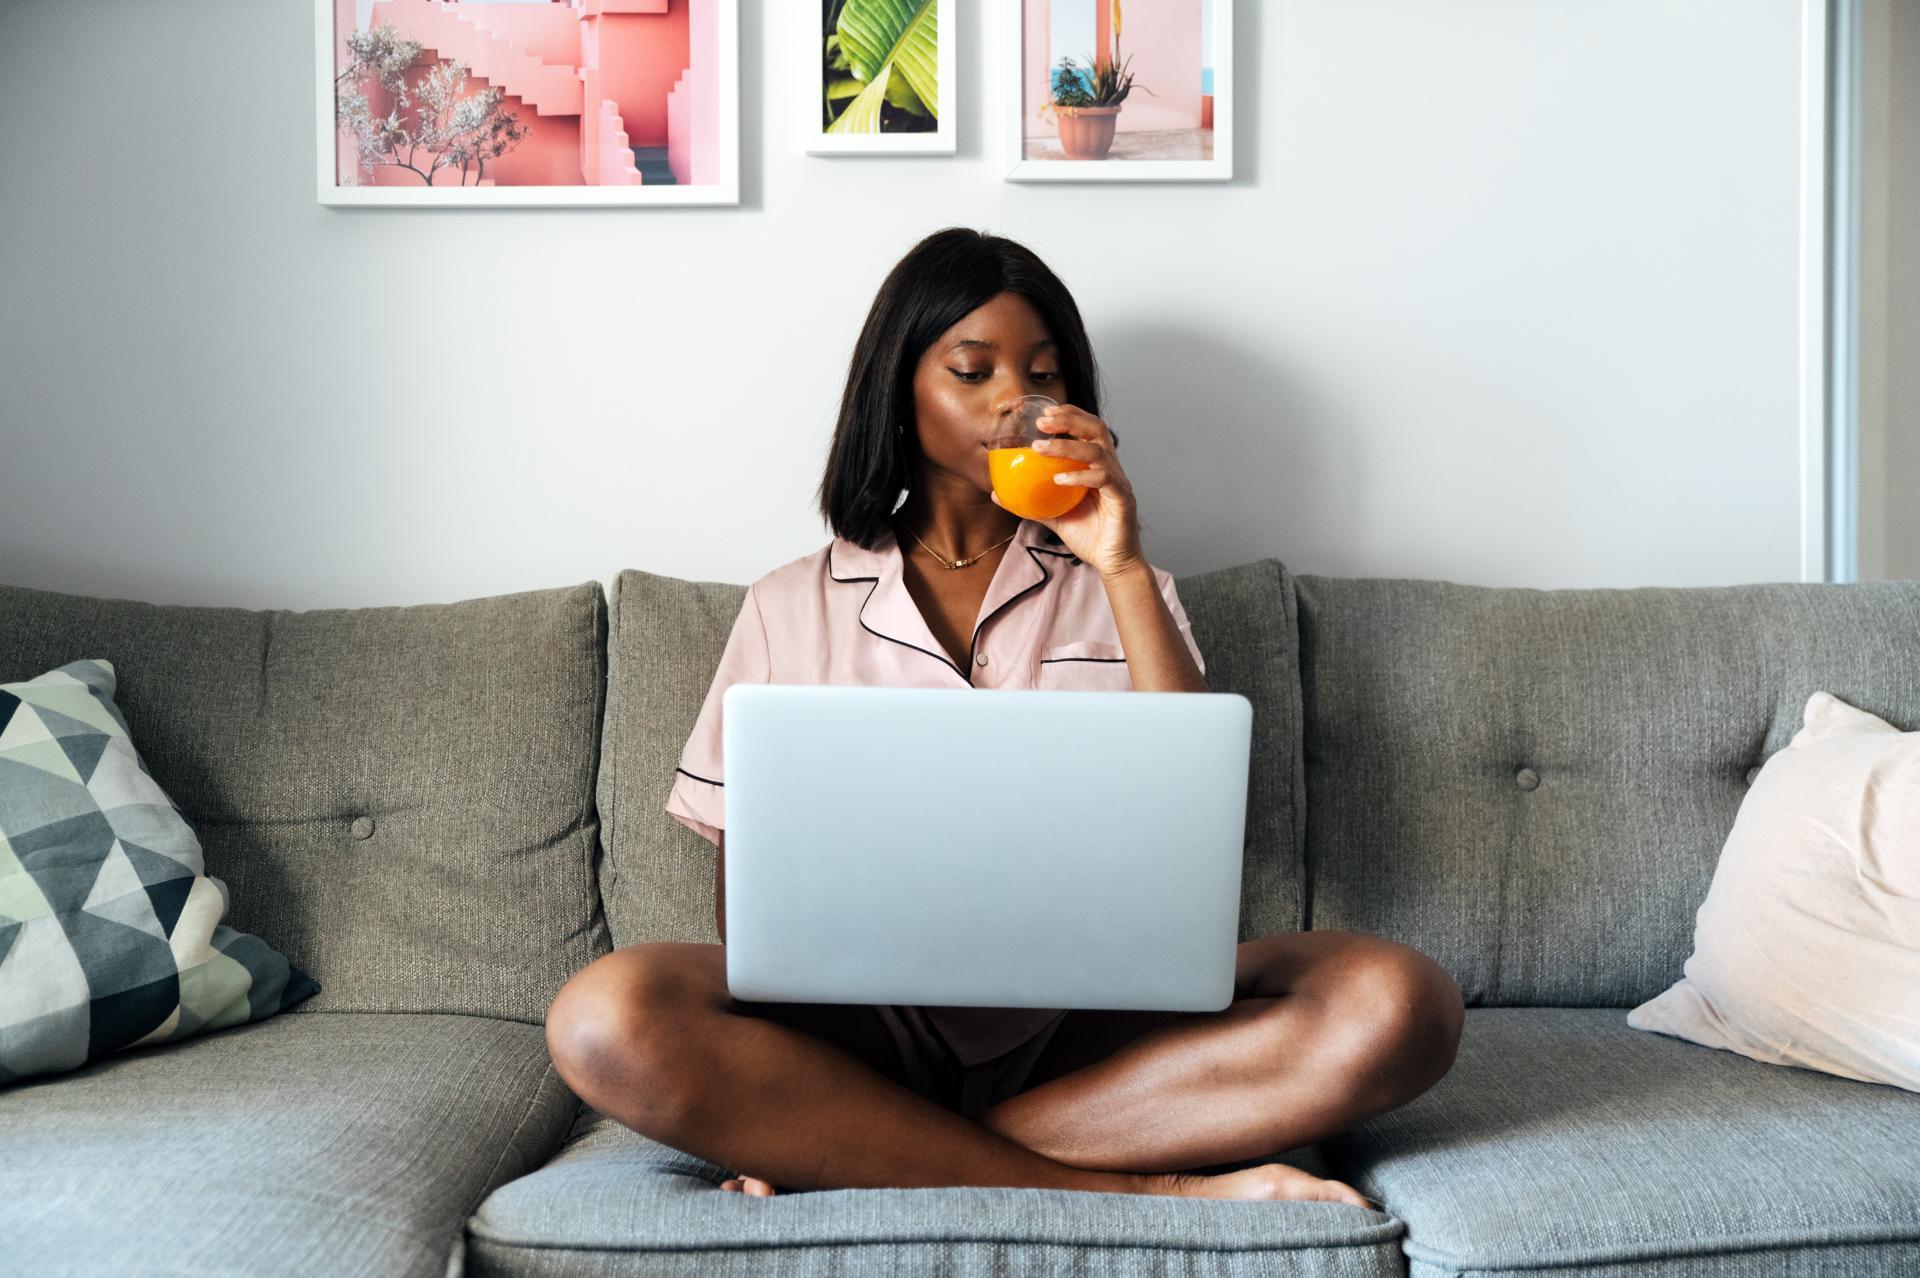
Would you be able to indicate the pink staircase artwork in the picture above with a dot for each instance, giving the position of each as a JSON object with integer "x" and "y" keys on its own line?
{"x": 613, "y": 155}
{"x": 693, "y": 105}
{"x": 447, "y": 31}
{"x": 608, "y": 92}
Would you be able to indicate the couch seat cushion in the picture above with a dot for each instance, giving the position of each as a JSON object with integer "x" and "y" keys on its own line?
{"x": 616, "y": 1202}
{"x": 1564, "y": 1140}
{"x": 324, "y": 1143}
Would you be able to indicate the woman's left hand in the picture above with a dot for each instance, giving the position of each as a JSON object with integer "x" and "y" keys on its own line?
{"x": 1103, "y": 528}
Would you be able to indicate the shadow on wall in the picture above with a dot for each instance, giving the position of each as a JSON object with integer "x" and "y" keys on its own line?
{"x": 752, "y": 98}
{"x": 977, "y": 127}
{"x": 1246, "y": 95}
{"x": 41, "y": 569}
{"x": 1231, "y": 455}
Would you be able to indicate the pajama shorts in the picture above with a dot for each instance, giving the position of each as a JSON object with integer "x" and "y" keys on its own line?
{"x": 972, "y": 1070}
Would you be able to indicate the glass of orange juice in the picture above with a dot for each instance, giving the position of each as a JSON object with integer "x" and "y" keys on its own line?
{"x": 1023, "y": 478}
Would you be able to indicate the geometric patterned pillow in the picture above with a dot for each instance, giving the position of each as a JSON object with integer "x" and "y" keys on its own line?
{"x": 110, "y": 931}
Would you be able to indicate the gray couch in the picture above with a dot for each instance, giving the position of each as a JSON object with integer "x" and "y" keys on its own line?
{"x": 443, "y": 811}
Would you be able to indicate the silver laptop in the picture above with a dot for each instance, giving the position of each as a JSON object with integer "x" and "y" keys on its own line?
{"x": 990, "y": 848}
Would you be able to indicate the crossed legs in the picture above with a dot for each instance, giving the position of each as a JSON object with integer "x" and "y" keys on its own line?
{"x": 1326, "y": 1029}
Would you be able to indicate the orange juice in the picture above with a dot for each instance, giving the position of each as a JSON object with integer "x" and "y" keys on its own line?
{"x": 1024, "y": 481}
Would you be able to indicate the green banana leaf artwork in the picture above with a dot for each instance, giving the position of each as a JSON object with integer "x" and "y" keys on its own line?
{"x": 880, "y": 67}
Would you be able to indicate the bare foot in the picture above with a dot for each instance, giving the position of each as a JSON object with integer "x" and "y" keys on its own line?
{"x": 752, "y": 1185}
{"x": 1268, "y": 1181}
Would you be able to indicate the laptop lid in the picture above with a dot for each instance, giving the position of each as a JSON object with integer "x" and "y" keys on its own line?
{"x": 992, "y": 847}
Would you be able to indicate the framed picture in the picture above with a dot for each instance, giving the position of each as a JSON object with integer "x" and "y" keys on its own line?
{"x": 522, "y": 102}
{"x": 885, "y": 85}
{"x": 1120, "y": 91}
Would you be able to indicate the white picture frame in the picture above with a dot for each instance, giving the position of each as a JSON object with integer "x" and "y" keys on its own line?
{"x": 941, "y": 141}
{"x": 1013, "y": 111}
{"x": 725, "y": 158}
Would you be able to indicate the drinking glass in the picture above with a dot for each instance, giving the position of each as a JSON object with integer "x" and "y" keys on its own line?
{"x": 1023, "y": 478}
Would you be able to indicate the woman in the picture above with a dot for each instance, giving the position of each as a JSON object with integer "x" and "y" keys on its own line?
{"x": 948, "y": 589}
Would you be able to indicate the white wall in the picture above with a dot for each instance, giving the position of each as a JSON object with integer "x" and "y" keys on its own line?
{"x": 1503, "y": 292}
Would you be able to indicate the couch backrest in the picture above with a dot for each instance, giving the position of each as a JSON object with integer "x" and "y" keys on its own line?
{"x": 1533, "y": 786}
{"x": 398, "y": 799}
{"x": 666, "y": 639}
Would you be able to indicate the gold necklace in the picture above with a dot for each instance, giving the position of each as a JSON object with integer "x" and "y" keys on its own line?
{"x": 962, "y": 563}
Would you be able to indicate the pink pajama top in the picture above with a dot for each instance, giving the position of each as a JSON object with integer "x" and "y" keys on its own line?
{"x": 843, "y": 615}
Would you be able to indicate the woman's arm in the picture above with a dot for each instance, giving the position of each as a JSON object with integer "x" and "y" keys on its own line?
{"x": 1104, "y": 532}
{"x": 1157, "y": 656}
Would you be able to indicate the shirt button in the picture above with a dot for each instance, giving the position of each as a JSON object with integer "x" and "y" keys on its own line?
{"x": 1527, "y": 779}
{"x": 362, "y": 827}
{"x": 980, "y": 660}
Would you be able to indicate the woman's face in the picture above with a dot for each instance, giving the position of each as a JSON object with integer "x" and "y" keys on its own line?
{"x": 999, "y": 352}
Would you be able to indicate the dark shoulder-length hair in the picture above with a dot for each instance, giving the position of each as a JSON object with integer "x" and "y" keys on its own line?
{"x": 941, "y": 280}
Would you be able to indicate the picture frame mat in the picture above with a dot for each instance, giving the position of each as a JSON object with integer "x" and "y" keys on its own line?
{"x": 942, "y": 141}
{"x": 1013, "y": 119}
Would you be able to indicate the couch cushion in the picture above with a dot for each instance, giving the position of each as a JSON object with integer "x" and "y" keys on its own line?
{"x": 665, "y": 643}
{"x": 1533, "y": 786}
{"x": 613, "y": 1201}
{"x": 110, "y": 931}
{"x": 1562, "y": 1141}
{"x": 1807, "y": 949}
{"x": 400, "y": 799}
{"x": 337, "y": 1144}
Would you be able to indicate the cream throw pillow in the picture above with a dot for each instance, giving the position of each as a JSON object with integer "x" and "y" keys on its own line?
{"x": 1807, "y": 949}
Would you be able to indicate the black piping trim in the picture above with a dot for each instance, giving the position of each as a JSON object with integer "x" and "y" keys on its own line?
{"x": 709, "y": 781}
{"x": 972, "y": 643}
{"x": 1048, "y": 660}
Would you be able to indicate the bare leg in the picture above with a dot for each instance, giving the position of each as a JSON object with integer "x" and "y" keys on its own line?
{"x": 646, "y": 1036}
{"x": 1327, "y": 1028}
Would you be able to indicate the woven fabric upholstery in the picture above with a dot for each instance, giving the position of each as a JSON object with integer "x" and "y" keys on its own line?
{"x": 336, "y": 1145}
{"x": 614, "y": 1202}
{"x": 401, "y": 798}
{"x": 1533, "y": 786}
{"x": 1565, "y": 1144}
